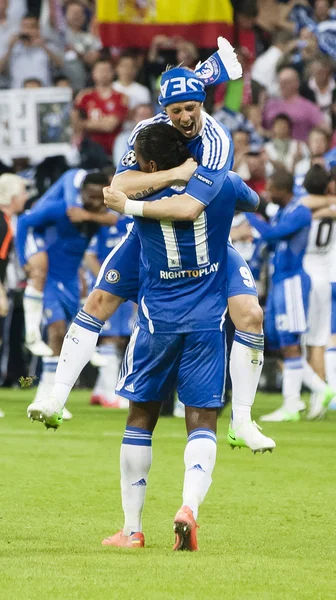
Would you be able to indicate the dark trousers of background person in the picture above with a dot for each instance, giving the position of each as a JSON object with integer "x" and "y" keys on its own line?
{"x": 34, "y": 7}
{"x": 14, "y": 361}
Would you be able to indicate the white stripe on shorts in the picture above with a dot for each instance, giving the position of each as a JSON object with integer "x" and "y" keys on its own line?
{"x": 129, "y": 357}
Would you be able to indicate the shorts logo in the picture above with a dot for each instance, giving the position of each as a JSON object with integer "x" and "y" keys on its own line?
{"x": 112, "y": 276}
{"x": 129, "y": 160}
{"x": 48, "y": 313}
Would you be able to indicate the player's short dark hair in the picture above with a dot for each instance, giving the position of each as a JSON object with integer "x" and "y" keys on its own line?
{"x": 164, "y": 144}
{"x": 282, "y": 180}
{"x": 96, "y": 178}
{"x": 284, "y": 117}
{"x": 317, "y": 180}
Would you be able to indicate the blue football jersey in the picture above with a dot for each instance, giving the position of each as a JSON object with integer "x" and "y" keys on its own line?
{"x": 183, "y": 269}
{"x": 287, "y": 235}
{"x": 212, "y": 148}
{"x": 108, "y": 237}
{"x": 65, "y": 242}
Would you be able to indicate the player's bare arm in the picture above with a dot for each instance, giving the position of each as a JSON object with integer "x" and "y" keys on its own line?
{"x": 137, "y": 184}
{"x": 178, "y": 208}
{"x": 92, "y": 263}
{"x": 316, "y": 202}
{"x": 77, "y": 214}
{"x": 103, "y": 124}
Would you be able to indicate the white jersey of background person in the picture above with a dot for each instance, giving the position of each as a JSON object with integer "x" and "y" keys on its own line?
{"x": 317, "y": 263}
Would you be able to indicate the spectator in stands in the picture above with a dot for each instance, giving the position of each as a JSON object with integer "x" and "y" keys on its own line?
{"x": 248, "y": 34}
{"x": 321, "y": 10}
{"x": 32, "y": 83}
{"x": 61, "y": 81}
{"x": 12, "y": 200}
{"x": 318, "y": 146}
{"x": 264, "y": 69}
{"x": 126, "y": 84}
{"x": 100, "y": 111}
{"x": 139, "y": 113}
{"x": 237, "y": 120}
{"x": 282, "y": 150}
{"x": 82, "y": 48}
{"x": 302, "y": 53}
{"x": 303, "y": 113}
{"x": 256, "y": 162}
{"x": 8, "y": 27}
{"x": 29, "y": 55}
{"x": 321, "y": 87}
{"x": 241, "y": 140}
{"x": 187, "y": 54}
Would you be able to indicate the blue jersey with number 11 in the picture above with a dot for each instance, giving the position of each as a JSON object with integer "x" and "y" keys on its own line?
{"x": 183, "y": 273}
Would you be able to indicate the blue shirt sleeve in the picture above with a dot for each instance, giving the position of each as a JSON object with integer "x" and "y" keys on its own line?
{"x": 247, "y": 199}
{"x": 299, "y": 218}
{"x": 128, "y": 162}
{"x": 42, "y": 215}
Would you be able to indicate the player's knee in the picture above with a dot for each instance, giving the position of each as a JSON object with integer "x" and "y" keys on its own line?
{"x": 37, "y": 269}
{"x": 293, "y": 351}
{"x": 56, "y": 334}
{"x": 251, "y": 318}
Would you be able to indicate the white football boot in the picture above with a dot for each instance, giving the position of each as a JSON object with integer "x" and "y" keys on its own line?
{"x": 248, "y": 435}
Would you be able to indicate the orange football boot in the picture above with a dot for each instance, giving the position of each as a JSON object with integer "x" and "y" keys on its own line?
{"x": 185, "y": 528}
{"x": 119, "y": 540}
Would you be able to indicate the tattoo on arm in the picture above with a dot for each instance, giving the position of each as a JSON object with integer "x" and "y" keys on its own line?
{"x": 142, "y": 194}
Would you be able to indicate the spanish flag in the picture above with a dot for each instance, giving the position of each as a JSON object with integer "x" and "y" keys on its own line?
{"x": 134, "y": 23}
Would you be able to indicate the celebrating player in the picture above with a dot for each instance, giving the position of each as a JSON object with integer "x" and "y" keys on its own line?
{"x": 287, "y": 302}
{"x": 66, "y": 189}
{"x": 182, "y": 94}
{"x": 179, "y": 338}
{"x": 65, "y": 244}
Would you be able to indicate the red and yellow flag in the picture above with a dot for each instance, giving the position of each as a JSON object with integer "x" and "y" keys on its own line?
{"x": 134, "y": 23}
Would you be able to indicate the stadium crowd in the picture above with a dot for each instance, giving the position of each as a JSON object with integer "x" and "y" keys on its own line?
{"x": 281, "y": 115}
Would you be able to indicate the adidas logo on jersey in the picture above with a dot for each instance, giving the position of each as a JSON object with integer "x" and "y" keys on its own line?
{"x": 130, "y": 387}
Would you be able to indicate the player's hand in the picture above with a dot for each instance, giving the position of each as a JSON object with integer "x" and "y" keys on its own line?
{"x": 242, "y": 233}
{"x": 184, "y": 172}
{"x": 114, "y": 199}
{"x": 3, "y": 304}
{"x": 77, "y": 214}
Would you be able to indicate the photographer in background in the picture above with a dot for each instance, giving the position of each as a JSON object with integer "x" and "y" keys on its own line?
{"x": 13, "y": 196}
{"x": 29, "y": 56}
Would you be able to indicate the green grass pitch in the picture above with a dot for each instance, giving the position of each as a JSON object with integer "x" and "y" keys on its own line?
{"x": 267, "y": 525}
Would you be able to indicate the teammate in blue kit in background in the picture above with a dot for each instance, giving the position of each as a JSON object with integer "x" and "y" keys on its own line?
{"x": 67, "y": 189}
{"x": 287, "y": 302}
{"x": 65, "y": 244}
{"x": 116, "y": 331}
{"x": 179, "y": 337}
